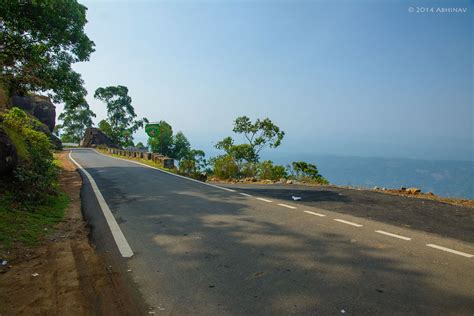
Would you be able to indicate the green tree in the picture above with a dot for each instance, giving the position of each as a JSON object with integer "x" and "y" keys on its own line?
{"x": 163, "y": 142}
{"x": 261, "y": 134}
{"x": 39, "y": 41}
{"x": 75, "y": 121}
{"x": 120, "y": 114}
{"x": 105, "y": 127}
{"x": 306, "y": 171}
{"x": 181, "y": 147}
{"x": 194, "y": 165}
{"x": 267, "y": 170}
{"x": 224, "y": 167}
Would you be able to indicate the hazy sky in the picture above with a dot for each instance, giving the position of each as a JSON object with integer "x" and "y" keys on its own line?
{"x": 339, "y": 77}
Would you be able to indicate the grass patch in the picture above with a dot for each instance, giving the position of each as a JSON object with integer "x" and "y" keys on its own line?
{"x": 27, "y": 227}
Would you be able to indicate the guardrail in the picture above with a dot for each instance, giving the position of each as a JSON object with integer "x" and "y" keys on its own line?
{"x": 163, "y": 161}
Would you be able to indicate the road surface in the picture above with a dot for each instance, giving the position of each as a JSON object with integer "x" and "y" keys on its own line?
{"x": 203, "y": 250}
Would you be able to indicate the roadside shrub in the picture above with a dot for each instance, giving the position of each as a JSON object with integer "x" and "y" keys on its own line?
{"x": 36, "y": 173}
{"x": 267, "y": 170}
{"x": 248, "y": 170}
{"x": 304, "y": 171}
{"x": 225, "y": 167}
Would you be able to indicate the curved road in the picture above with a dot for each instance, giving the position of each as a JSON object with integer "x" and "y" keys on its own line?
{"x": 204, "y": 250}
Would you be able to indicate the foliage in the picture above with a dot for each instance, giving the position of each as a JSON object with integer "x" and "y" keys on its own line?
{"x": 194, "y": 165}
{"x": 105, "y": 127}
{"x": 36, "y": 174}
{"x": 267, "y": 170}
{"x": 39, "y": 41}
{"x": 241, "y": 153}
{"x": 140, "y": 145}
{"x": 224, "y": 167}
{"x": 75, "y": 121}
{"x": 163, "y": 142}
{"x": 307, "y": 172}
{"x": 260, "y": 134}
{"x": 181, "y": 147}
{"x": 121, "y": 115}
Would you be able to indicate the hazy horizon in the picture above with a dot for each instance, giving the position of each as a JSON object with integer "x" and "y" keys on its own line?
{"x": 364, "y": 79}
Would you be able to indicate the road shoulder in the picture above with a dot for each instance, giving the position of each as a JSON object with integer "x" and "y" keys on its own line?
{"x": 64, "y": 274}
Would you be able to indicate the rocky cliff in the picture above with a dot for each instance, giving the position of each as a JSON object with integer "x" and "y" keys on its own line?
{"x": 94, "y": 137}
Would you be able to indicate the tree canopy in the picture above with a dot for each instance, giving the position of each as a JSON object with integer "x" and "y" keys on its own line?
{"x": 121, "y": 117}
{"x": 163, "y": 142}
{"x": 261, "y": 134}
{"x": 39, "y": 41}
{"x": 75, "y": 121}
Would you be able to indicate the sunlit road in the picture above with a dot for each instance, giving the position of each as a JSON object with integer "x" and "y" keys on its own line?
{"x": 203, "y": 250}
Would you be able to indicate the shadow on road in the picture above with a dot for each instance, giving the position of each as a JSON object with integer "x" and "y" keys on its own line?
{"x": 439, "y": 218}
{"x": 205, "y": 251}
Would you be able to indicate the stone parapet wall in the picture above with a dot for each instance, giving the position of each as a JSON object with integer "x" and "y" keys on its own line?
{"x": 163, "y": 161}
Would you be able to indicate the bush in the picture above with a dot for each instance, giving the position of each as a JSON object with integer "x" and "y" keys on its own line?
{"x": 304, "y": 171}
{"x": 248, "y": 170}
{"x": 36, "y": 173}
{"x": 225, "y": 167}
{"x": 267, "y": 170}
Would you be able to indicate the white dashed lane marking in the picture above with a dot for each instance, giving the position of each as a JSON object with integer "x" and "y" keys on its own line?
{"x": 459, "y": 253}
{"x": 392, "y": 235}
{"x": 347, "y": 222}
{"x": 244, "y": 194}
{"x": 314, "y": 213}
{"x": 287, "y": 206}
{"x": 264, "y": 200}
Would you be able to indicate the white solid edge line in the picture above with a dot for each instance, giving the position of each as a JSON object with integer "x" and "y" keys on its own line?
{"x": 313, "y": 213}
{"x": 264, "y": 200}
{"x": 119, "y": 238}
{"x": 173, "y": 174}
{"x": 244, "y": 194}
{"x": 287, "y": 206}
{"x": 392, "y": 235}
{"x": 346, "y": 222}
{"x": 451, "y": 250}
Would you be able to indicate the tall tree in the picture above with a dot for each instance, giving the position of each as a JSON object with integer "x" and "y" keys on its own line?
{"x": 163, "y": 142}
{"x": 121, "y": 115}
{"x": 75, "y": 120}
{"x": 261, "y": 134}
{"x": 39, "y": 41}
{"x": 181, "y": 147}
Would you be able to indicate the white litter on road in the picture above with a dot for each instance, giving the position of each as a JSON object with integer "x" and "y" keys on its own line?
{"x": 296, "y": 198}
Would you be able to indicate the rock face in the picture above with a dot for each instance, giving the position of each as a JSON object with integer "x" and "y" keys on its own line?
{"x": 8, "y": 155}
{"x": 94, "y": 137}
{"x": 40, "y": 107}
{"x": 43, "y": 110}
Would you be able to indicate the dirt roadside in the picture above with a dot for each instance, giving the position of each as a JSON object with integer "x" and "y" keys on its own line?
{"x": 64, "y": 275}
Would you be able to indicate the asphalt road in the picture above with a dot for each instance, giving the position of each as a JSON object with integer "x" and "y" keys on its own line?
{"x": 202, "y": 250}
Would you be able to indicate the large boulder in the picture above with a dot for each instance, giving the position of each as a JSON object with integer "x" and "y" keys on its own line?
{"x": 8, "y": 154}
{"x": 39, "y": 106}
{"x": 94, "y": 137}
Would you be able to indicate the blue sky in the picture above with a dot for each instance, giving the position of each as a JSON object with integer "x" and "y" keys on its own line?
{"x": 364, "y": 78}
